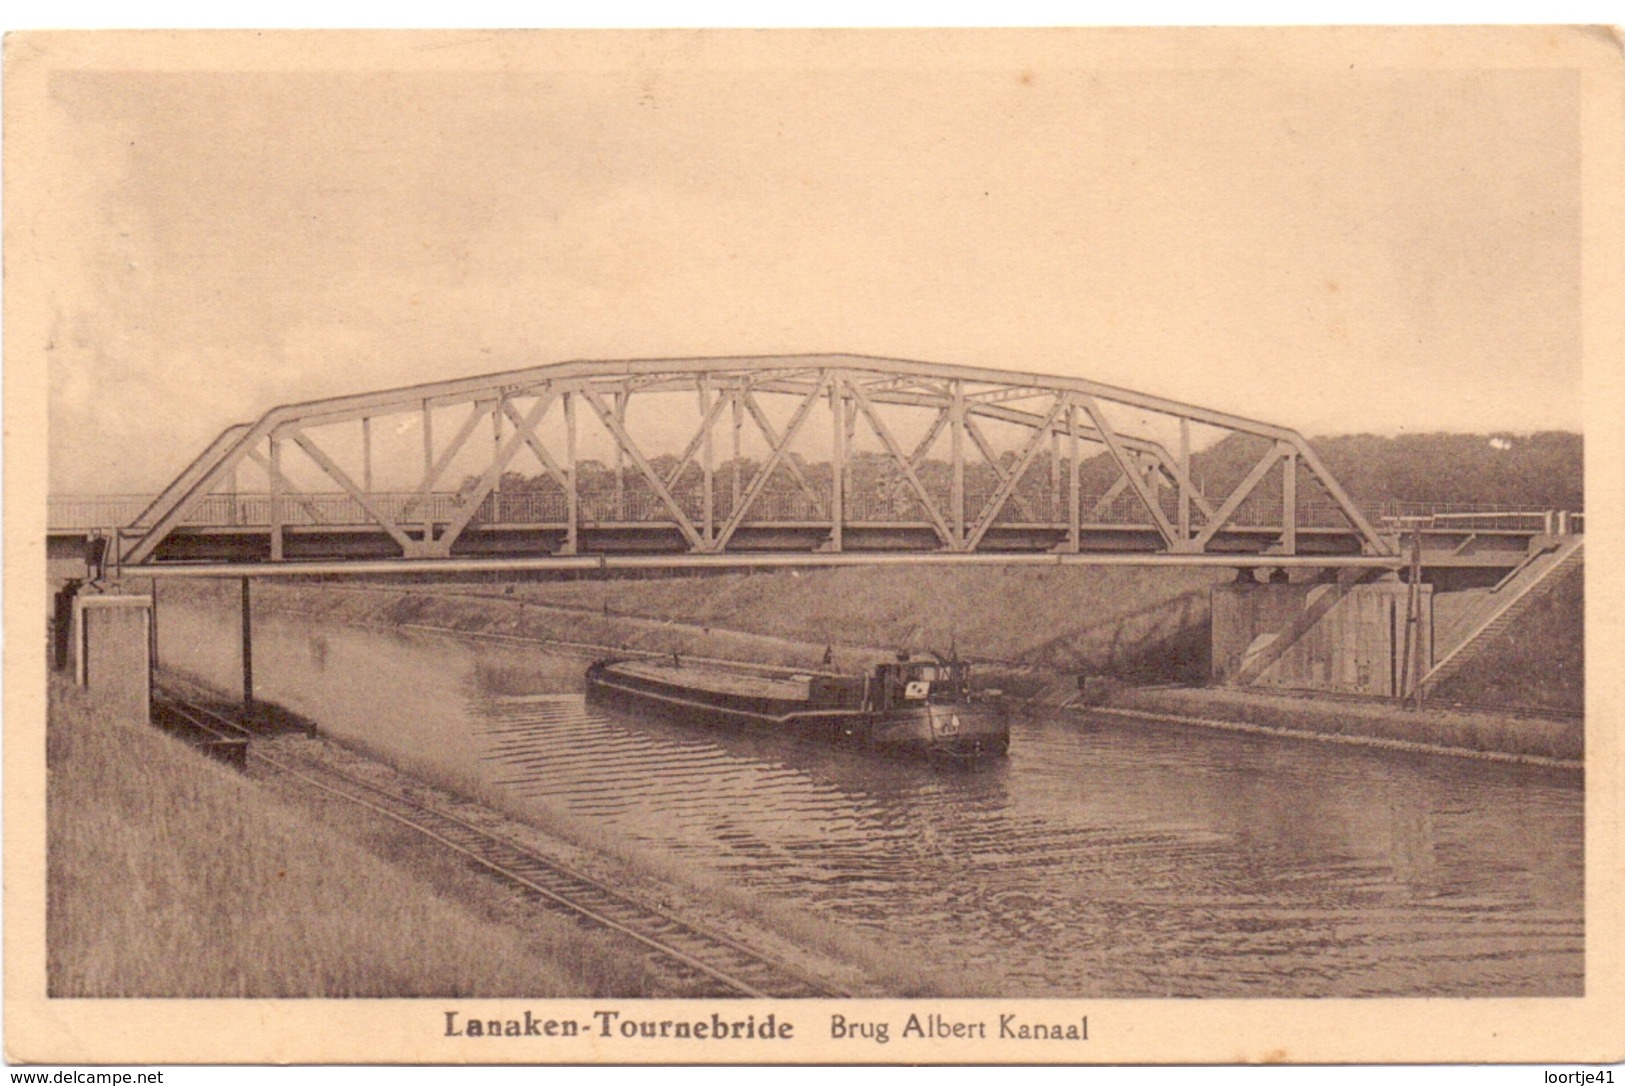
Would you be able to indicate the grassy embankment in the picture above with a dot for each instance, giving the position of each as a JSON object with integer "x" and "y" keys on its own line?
{"x": 1139, "y": 623}
{"x": 1538, "y": 662}
{"x": 1146, "y": 622}
{"x": 169, "y": 875}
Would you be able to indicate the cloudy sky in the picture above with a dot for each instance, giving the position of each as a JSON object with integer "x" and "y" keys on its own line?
{"x": 1331, "y": 247}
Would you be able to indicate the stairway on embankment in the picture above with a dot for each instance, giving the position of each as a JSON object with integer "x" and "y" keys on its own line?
{"x": 1466, "y": 623}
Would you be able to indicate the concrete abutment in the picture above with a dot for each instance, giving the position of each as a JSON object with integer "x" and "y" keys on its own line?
{"x": 112, "y": 651}
{"x": 1339, "y": 637}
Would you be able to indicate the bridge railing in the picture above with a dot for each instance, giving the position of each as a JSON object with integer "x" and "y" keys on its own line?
{"x": 94, "y": 511}
{"x": 243, "y": 510}
{"x": 312, "y": 509}
{"x": 1479, "y": 516}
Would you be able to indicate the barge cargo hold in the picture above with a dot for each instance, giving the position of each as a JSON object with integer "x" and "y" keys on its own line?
{"x": 908, "y": 708}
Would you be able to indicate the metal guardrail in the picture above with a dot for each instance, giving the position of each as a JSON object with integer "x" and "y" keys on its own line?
{"x": 1543, "y": 521}
{"x": 96, "y": 511}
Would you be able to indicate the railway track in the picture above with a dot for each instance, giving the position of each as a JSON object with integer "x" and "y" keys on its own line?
{"x": 697, "y": 961}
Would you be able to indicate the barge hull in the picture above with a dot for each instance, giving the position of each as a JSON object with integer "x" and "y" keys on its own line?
{"x": 958, "y": 731}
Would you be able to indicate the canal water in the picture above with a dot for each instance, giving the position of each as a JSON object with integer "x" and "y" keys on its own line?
{"x": 1101, "y": 859}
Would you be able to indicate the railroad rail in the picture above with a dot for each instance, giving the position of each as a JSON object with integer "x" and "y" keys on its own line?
{"x": 206, "y": 731}
{"x": 699, "y": 961}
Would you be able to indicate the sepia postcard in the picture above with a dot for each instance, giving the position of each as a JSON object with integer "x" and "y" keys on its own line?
{"x": 814, "y": 546}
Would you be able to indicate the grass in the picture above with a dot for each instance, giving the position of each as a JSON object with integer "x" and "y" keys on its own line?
{"x": 169, "y": 875}
{"x": 1538, "y": 662}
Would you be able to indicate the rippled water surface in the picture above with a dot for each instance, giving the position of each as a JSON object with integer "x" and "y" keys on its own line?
{"x": 1101, "y": 858}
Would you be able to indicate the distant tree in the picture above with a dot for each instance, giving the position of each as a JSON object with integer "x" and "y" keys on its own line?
{"x": 1540, "y": 471}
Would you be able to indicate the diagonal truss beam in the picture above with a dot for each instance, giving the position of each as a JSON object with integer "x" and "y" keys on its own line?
{"x": 770, "y": 432}
{"x": 1113, "y": 492}
{"x": 1239, "y": 495}
{"x": 982, "y": 446}
{"x": 476, "y": 415}
{"x": 695, "y": 443}
{"x": 201, "y": 465}
{"x": 1011, "y": 481}
{"x": 1179, "y": 472}
{"x": 758, "y": 484}
{"x": 613, "y": 425}
{"x": 171, "y": 511}
{"x": 409, "y": 546}
{"x": 1120, "y": 484}
{"x": 922, "y": 449}
{"x": 524, "y": 432}
{"x": 543, "y": 457}
{"x": 1345, "y": 504}
{"x": 280, "y": 483}
{"x": 886, "y": 438}
{"x": 1131, "y": 473}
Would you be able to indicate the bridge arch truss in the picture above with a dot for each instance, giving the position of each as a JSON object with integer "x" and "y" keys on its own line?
{"x": 708, "y": 458}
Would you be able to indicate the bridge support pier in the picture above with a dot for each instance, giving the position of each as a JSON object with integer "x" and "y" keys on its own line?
{"x": 1340, "y": 636}
{"x": 112, "y": 651}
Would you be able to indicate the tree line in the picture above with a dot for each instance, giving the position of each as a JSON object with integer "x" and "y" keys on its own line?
{"x": 1535, "y": 471}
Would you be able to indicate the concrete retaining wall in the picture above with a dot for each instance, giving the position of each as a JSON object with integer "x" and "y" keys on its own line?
{"x": 1341, "y": 639}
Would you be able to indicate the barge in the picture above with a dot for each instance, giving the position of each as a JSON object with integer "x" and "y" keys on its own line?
{"x": 910, "y": 707}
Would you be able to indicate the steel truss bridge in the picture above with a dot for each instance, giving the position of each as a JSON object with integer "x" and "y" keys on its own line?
{"x": 807, "y": 459}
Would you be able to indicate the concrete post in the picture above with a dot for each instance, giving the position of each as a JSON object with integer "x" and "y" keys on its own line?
{"x": 111, "y": 640}
{"x": 62, "y": 624}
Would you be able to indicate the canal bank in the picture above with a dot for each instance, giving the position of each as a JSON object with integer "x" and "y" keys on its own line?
{"x": 604, "y": 626}
{"x": 1527, "y": 739}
